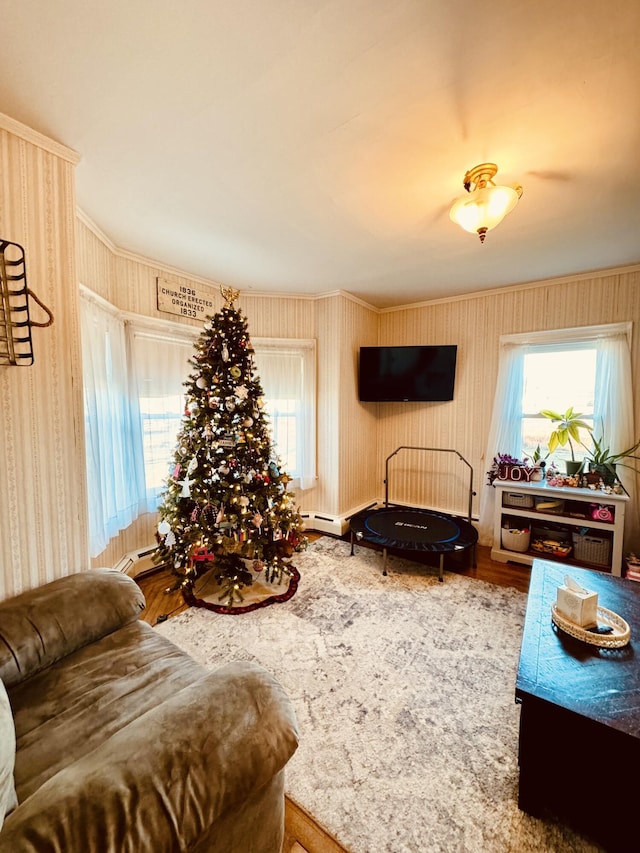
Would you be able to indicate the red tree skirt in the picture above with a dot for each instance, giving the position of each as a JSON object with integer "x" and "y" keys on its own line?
{"x": 194, "y": 600}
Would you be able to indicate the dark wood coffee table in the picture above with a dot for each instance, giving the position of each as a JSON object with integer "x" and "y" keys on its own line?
{"x": 579, "y": 750}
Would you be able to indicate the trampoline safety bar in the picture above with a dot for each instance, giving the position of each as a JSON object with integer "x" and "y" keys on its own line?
{"x": 433, "y": 450}
{"x": 415, "y": 529}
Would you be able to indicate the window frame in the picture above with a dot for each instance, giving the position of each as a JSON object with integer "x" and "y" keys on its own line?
{"x": 171, "y": 331}
{"x": 616, "y": 396}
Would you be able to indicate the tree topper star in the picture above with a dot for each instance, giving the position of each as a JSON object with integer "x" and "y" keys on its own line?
{"x": 230, "y": 295}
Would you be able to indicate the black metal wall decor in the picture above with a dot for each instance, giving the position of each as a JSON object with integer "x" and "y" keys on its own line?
{"x": 16, "y": 346}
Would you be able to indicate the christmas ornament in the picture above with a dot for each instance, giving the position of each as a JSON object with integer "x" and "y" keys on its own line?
{"x": 242, "y": 392}
{"x": 201, "y": 382}
{"x": 163, "y": 528}
{"x": 186, "y": 487}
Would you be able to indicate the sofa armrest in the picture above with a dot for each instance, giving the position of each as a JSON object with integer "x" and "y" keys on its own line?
{"x": 45, "y": 624}
{"x": 158, "y": 784}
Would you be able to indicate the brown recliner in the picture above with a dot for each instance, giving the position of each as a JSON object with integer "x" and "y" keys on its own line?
{"x": 124, "y": 744}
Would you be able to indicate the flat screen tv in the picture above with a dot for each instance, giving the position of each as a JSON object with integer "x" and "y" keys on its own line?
{"x": 407, "y": 373}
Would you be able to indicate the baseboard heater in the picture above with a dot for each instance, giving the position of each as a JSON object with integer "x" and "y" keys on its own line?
{"x": 336, "y": 525}
{"x": 138, "y": 563}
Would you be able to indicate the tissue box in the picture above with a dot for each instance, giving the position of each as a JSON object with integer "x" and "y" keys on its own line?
{"x": 579, "y": 607}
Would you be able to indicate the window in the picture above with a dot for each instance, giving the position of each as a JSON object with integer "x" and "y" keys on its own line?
{"x": 287, "y": 372}
{"x": 134, "y": 369}
{"x": 588, "y": 366}
{"x": 572, "y": 369}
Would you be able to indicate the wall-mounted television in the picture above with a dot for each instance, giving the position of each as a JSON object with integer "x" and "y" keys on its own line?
{"x": 407, "y": 373}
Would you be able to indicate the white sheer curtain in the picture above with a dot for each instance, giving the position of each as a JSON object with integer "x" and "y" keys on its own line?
{"x": 159, "y": 365}
{"x": 613, "y": 415}
{"x": 505, "y": 431}
{"x": 613, "y": 405}
{"x": 115, "y": 466}
{"x": 287, "y": 374}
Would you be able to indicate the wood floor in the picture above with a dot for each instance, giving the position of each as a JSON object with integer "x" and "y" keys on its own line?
{"x": 302, "y": 833}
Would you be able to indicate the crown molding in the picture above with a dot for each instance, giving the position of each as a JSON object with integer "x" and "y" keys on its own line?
{"x": 315, "y": 297}
{"x": 16, "y": 128}
{"x": 86, "y": 220}
{"x": 82, "y": 217}
{"x": 512, "y": 288}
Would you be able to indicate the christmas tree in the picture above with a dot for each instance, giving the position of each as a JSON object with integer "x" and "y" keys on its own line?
{"x": 226, "y": 507}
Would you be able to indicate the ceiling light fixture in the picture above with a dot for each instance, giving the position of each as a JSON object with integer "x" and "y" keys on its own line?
{"x": 487, "y": 204}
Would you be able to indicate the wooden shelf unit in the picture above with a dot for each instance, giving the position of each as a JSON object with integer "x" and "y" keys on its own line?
{"x": 541, "y": 489}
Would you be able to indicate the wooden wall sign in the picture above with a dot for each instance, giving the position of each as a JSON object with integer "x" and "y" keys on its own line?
{"x": 194, "y": 300}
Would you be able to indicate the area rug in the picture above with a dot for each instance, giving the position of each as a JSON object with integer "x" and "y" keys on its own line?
{"x": 404, "y": 692}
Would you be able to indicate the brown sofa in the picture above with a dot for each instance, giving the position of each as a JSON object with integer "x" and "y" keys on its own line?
{"x": 124, "y": 744}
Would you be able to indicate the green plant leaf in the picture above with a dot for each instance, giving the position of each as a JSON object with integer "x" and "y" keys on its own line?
{"x": 574, "y": 428}
{"x": 553, "y": 416}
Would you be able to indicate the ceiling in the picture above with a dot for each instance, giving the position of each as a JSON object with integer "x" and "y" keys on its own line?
{"x": 308, "y": 146}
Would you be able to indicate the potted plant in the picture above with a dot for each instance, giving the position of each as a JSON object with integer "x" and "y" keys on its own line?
{"x": 569, "y": 425}
{"x": 603, "y": 462}
{"x": 501, "y": 465}
{"x": 538, "y": 463}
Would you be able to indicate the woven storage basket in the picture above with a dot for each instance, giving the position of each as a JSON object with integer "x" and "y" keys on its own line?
{"x": 516, "y": 499}
{"x": 591, "y": 549}
{"x": 515, "y": 540}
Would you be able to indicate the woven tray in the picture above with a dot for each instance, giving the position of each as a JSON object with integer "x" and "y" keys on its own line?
{"x": 619, "y": 637}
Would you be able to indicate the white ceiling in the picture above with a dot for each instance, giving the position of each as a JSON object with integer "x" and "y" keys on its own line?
{"x": 307, "y": 146}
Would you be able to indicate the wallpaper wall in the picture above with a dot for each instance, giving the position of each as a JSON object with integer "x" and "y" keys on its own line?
{"x": 338, "y": 323}
{"x": 354, "y": 439}
{"x": 476, "y": 323}
{"x": 43, "y": 519}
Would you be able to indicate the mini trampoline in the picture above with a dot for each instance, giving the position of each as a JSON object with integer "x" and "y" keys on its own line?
{"x": 416, "y": 529}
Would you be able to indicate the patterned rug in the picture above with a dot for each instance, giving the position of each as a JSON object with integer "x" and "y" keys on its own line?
{"x": 404, "y": 692}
